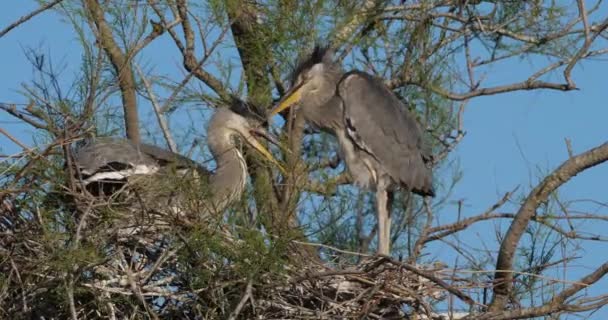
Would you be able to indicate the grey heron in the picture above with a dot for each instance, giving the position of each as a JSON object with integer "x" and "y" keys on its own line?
{"x": 380, "y": 141}
{"x": 117, "y": 159}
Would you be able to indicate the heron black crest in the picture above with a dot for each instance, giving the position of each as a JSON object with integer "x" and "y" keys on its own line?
{"x": 253, "y": 113}
{"x": 320, "y": 54}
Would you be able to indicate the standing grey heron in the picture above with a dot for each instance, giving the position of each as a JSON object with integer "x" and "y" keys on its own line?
{"x": 380, "y": 141}
{"x": 117, "y": 159}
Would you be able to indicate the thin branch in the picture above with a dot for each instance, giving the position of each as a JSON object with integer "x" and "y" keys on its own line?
{"x": 581, "y": 284}
{"x": 451, "y": 142}
{"x": 425, "y": 231}
{"x": 246, "y": 296}
{"x": 320, "y": 245}
{"x": 12, "y": 110}
{"x": 583, "y": 14}
{"x": 136, "y": 289}
{"x": 524, "y": 85}
{"x": 167, "y": 105}
{"x": 463, "y": 224}
{"x": 465, "y": 298}
{"x": 565, "y": 172}
{"x": 556, "y": 304}
{"x": 17, "y": 142}
{"x": 588, "y": 41}
{"x": 29, "y": 16}
{"x": 356, "y": 21}
{"x": 190, "y": 61}
{"x": 70, "y": 292}
{"x": 157, "y": 30}
{"x": 122, "y": 66}
{"x": 162, "y": 120}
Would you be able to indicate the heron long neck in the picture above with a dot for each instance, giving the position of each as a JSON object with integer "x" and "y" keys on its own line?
{"x": 228, "y": 181}
{"x": 325, "y": 88}
{"x": 327, "y": 116}
{"x": 323, "y": 107}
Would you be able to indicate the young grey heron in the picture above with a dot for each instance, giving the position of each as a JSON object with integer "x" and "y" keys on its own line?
{"x": 117, "y": 159}
{"x": 380, "y": 141}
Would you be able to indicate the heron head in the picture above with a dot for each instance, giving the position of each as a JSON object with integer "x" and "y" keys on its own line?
{"x": 313, "y": 81}
{"x": 226, "y": 125}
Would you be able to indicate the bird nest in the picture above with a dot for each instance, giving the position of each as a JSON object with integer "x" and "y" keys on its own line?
{"x": 376, "y": 288}
{"x": 150, "y": 266}
{"x": 139, "y": 261}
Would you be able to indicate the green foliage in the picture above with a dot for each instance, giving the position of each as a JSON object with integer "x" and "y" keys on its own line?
{"x": 431, "y": 54}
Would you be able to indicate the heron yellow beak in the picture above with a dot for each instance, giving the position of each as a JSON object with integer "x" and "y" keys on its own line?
{"x": 292, "y": 97}
{"x": 265, "y": 152}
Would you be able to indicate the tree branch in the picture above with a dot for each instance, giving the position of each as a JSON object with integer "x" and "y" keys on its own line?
{"x": 566, "y": 171}
{"x": 189, "y": 59}
{"x": 28, "y": 17}
{"x": 122, "y": 67}
{"x": 162, "y": 120}
{"x": 556, "y": 304}
{"x": 12, "y": 110}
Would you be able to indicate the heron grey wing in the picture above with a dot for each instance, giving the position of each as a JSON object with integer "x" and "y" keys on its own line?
{"x": 166, "y": 157}
{"x": 182, "y": 164}
{"x": 106, "y": 154}
{"x": 378, "y": 122}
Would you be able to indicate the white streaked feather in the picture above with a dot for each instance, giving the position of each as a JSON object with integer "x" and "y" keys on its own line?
{"x": 244, "y": 173}
{"x": 121, "y": 174}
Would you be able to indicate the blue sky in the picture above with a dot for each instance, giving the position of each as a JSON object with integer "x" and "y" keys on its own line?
{"x": 512, "y": 139}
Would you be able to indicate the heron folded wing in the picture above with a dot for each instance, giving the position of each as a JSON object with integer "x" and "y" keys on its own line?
{"x": 109, "y": 154}
{"x": 379, "y": 123}
{"x": 166, "y": 157}
{"x": 113, "y": 158}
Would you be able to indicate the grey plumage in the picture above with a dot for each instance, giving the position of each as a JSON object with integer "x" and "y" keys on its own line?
{"x": 110, "y": 154}
{"x": 380, "y": 141}
{"x": 116, "y": 160}
{"x": 380, "y": 124}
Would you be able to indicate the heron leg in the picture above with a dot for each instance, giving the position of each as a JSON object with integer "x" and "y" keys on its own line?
{"x": 383, "y": 222}
{"x": 389, "y": 216}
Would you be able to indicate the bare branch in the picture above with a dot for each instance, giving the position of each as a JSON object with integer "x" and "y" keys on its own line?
{"x": 162, "y": 120}
{"x": 122, "y": 66}
{"x": 246, "y": 296}
{"x": 446, "y": 230}
{"x": 70, "y": 292}
{"x": 585, "y": 282}
{"x": 29, "y": 16}
{"x": 540, "y": 194}
{"x": 451, "y": 142}
{"x": 557, "y": 304}
{"x": 189, "y": 59}
{"x": 342, "y": 35}
{"x": 12, "y": 110}
{"x": 465, "y": 298}
{"x": 524, "y": 85}
{"x": 168, "y": 103}
{"x": 424, "y": 232}
{"x": 588, "y": 41}
{"x": 157, "y": 30}
{"x": 17, "y": 142}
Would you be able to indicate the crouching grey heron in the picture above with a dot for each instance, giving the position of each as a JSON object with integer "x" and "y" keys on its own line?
{"x": 380, "y": 141}
{"x": 118, "y": 159}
